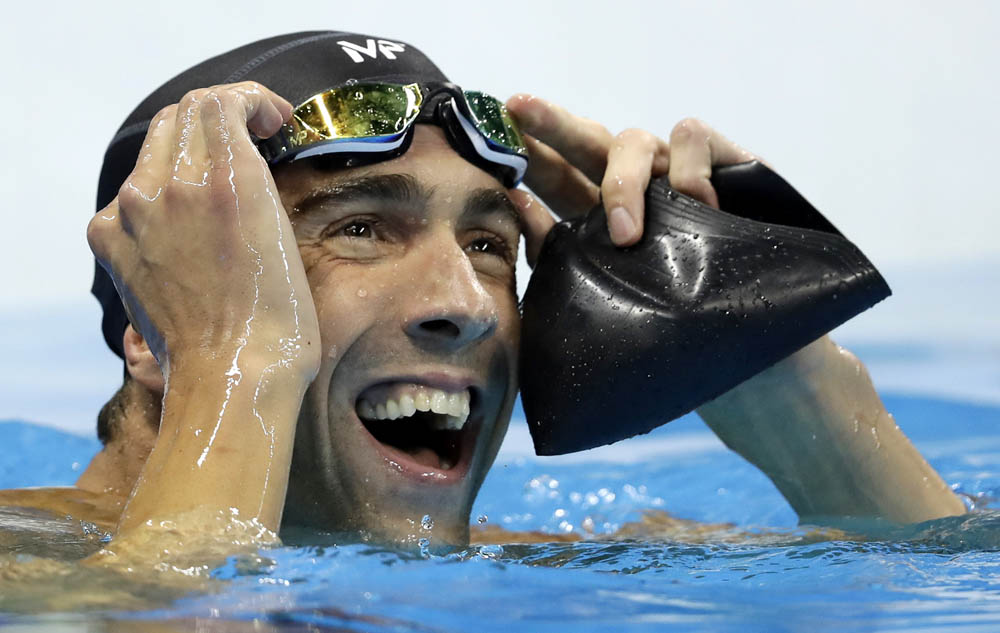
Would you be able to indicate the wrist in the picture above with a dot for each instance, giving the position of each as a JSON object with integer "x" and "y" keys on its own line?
{"x": 225, "y": 439}
{"x": 201, "y": 388}
{"x": 291, "y": 359}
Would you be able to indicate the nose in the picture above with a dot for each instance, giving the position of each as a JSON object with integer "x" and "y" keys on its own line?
{"x": 447, "y": 307}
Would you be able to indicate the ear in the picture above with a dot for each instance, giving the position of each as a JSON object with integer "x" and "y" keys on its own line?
{"x": 141, "y": 363}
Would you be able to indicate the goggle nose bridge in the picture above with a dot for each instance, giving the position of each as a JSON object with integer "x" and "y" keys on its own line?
{"x": 438, "y": 96}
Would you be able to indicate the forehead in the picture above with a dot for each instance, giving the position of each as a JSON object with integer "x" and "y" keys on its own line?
{"x": 430, "y": 160}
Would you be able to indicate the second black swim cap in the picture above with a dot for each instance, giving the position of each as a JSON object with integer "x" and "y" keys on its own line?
{"x": 296, "y": 66}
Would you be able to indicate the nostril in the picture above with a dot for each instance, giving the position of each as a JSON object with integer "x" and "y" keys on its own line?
{"x": 441, "y": 327}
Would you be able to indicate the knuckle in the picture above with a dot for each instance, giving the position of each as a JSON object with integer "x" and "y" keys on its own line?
{"x": 128, "y": 195}
{"x": 95, "y": 232}
{"x": 637, "y": 137}
{"x": 251, "y": 86}
{"x": 215, "y": 94}
{"x": 221, "y": 200}
{"x": 98, "y": 232}
{"x": 691, "y": 185}
{"x": 191, "y": 98}
{"x": 689, "y": 128}
{"x": 617, "y": 184}
{"x": 179, "y": 194}
{"x": 685, "y": 182}
{"x": 596, "y": 128}
{"x": 166, "y": 112}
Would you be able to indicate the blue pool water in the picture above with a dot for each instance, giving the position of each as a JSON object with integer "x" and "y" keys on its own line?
{"x": 939, "y": 576}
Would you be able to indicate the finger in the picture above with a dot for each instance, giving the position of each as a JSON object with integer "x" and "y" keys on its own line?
{"x": 191, "y": 161}
{"x": 634, "y": 158}
{"x": 227, "y": 112}
{"x": 695, "y": 149}
{"x": 152, "y": 167}
{"x": 191, "y": 155}
{"x": 265, "y": 111}
{"x": 584, "y": 143}
{"x": 563, "y": 187}
{"x": 536, "y": 221}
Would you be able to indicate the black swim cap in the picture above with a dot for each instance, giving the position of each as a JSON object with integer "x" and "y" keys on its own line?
{"x": 617, "y": 341}
{"x": 296, "y": 66}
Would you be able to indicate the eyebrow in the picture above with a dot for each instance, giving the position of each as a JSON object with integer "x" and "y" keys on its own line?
{"x": 404, "y": 189}
{"x": 398, "y": 188}
{"x": 486, "y": 201}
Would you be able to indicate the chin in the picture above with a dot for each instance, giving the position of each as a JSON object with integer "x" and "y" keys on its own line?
{"x": 398, "y": 457}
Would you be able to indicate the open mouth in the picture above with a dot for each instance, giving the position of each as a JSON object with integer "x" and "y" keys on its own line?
{"x": 425, "y": 424}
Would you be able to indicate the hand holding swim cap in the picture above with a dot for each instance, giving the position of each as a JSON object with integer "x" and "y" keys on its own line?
{"x": 617, "y": 341}
{"x": 197, "y": 241}
{"x": 577, "y": 163}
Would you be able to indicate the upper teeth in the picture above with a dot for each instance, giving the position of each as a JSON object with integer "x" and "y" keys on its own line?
{"x": 454, "y": 406}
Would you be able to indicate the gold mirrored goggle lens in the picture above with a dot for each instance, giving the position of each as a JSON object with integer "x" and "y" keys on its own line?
{"x": 358, "y": 113}
{"x": 491, "y": 118}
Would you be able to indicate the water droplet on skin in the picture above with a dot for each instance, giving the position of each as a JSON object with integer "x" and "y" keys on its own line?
{"x": 362, "y": 293}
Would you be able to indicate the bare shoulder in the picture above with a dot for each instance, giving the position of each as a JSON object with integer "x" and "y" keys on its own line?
{"x": 101, "y": 509}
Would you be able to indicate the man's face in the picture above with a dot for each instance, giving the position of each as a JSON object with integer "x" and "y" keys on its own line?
{"x": 411, "y": 264}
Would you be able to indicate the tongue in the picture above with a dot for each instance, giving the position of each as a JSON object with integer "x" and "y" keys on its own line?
{"x": 424, "y": 456}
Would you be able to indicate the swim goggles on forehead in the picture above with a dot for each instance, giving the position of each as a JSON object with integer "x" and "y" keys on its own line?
{"x": 370, "y": 122}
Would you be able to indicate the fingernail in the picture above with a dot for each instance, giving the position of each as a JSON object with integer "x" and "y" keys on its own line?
{"x": 620, "y": 225}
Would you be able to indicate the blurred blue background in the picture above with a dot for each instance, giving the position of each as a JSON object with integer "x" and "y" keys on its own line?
{"x": 882, "y": 114}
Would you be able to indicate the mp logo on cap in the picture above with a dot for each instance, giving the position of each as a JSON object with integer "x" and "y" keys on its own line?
{"x": 371, "y": 48}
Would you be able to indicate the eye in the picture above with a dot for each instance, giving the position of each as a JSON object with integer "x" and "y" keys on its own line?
{"x": 485, "y": 245}
{"x": 491, "y": 245}
{"x": 358, "y": 228}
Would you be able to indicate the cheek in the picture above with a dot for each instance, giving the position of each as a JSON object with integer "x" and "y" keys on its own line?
{"x": 349, "y": 300}
{"x": 509, "y": 326}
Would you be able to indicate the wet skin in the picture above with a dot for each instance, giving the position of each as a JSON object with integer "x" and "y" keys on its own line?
{"x": 411, "y": 265}
{"x": 405, "y": 282}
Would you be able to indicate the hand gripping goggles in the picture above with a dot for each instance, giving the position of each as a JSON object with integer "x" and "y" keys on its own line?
{"x": 370, "y": 122}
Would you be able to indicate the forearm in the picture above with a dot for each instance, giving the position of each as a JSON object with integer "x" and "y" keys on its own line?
{"x": 814, "y": 424}
{"x": 224, "y": 444}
